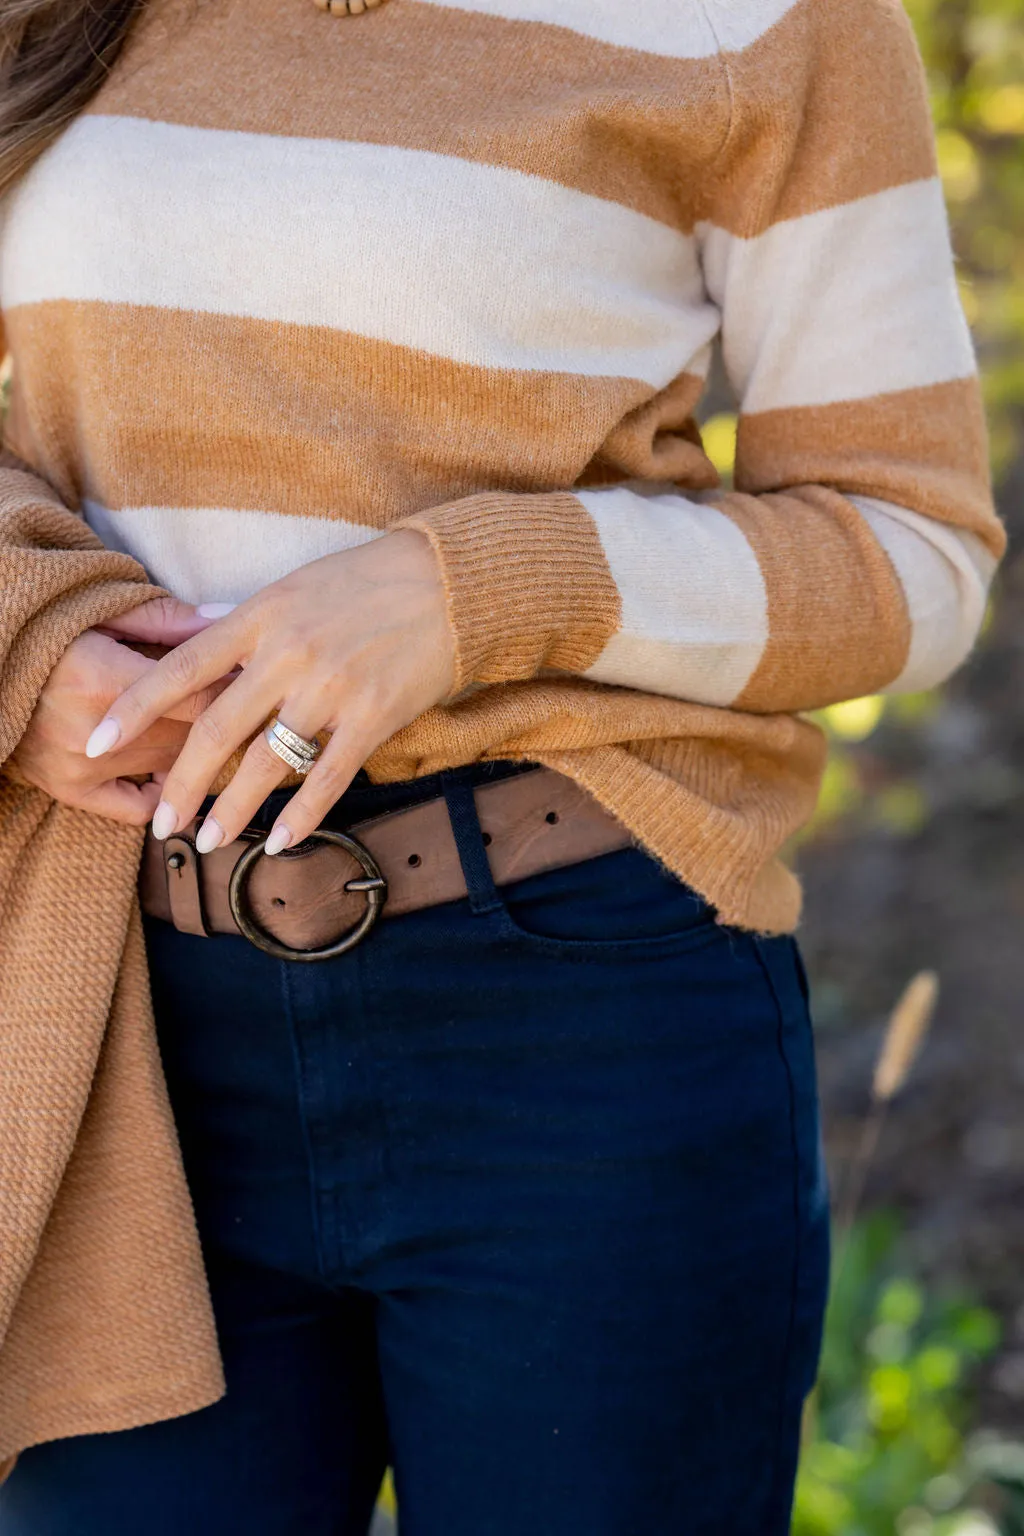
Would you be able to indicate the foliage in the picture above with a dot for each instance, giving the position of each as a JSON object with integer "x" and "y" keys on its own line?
{"x": 885, "y": 1451}
{"x": 974, "y": 54}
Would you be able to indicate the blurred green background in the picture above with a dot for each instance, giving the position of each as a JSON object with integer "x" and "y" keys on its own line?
{"x": 916, "y": 860}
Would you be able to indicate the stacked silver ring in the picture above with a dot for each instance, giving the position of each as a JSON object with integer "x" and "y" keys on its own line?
{"x": 291, "y": 748}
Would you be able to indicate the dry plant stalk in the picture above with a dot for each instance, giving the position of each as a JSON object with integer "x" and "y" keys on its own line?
{"x": 904, "y": 1037}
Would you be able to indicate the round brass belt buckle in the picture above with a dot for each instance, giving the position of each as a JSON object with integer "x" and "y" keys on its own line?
{"x": 374, "y": 886}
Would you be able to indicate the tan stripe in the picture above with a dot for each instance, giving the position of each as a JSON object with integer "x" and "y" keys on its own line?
{"x": 838, "y": 625}
{"x": 658, "y": 440}
{"x": 540, "y": 559}
{"x": 830, "y": 101}
{"x": 168, "y": 408}
{"x": 842, "y": 85}
{"x": 444, "y": 80}
{"x": 926, "y": 449}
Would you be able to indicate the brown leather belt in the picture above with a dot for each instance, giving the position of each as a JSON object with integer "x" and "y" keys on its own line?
{"x": 319, "y": 899}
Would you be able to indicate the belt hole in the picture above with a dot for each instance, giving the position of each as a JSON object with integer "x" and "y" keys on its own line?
{"x": 551, "y": 818}
{"x": 487, "y": 839}
{"x": 415, "y": 861}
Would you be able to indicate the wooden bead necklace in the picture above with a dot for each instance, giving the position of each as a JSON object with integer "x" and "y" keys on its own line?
{"x": 347, "y": 7}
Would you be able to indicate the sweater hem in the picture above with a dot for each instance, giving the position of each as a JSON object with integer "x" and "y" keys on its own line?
{"x": 60, "y": 1419}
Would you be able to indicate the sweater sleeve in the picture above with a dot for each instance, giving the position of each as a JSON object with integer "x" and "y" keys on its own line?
{"x": 855, "y": 552}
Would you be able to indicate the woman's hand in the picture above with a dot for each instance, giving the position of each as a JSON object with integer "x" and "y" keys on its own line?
{"x": 358, "y": 643}
{"x": 94, "y": 671}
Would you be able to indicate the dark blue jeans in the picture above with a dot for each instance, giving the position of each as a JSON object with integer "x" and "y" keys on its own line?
{"x": 523, "y": 1195}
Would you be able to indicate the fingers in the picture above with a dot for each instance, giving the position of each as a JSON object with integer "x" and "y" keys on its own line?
{"x": 156, "y": 751}
{"x": 196, "y": 704}
{"x": 229, "y": 721}
{"x": 110, "y": 667}
{"x": 326, "y": 782}
{"x": 366, "y": 637}
{"x": 190, "y": 668}
{"x": 260, "y": 771}
{"x": 104, "y": 667}
{"x": 163, "y": 621}
{"x": 121, "y": 800}
{"x": 115, "y": 793}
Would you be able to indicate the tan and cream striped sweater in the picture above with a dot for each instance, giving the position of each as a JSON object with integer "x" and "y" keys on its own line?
{"x": 290, "y": 280}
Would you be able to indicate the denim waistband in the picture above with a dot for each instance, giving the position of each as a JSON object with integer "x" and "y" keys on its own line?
{"x": 364, "y": 799}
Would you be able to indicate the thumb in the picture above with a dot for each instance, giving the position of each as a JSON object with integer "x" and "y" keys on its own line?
{"x": 162, "y": 621}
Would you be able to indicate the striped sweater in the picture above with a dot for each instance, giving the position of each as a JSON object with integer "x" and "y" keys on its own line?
{"x": 291, "y": 280}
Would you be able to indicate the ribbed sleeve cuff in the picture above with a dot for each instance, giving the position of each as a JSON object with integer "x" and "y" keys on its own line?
{"x": 527, "y": 582}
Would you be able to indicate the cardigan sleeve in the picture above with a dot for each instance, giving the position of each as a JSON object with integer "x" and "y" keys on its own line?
{"x": 855, "y": 552}
{"x": 56, "y": 580}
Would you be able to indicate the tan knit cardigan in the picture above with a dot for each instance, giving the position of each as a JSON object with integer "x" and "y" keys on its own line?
{"x": 289, "y": 282}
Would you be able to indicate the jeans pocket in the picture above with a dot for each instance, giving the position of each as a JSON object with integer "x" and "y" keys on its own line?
{"x": 617, "y": 901}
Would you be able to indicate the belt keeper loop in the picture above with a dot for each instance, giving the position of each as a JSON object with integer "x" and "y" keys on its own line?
{"x": 469, "y": 841}
{"x": 184, "y": 887}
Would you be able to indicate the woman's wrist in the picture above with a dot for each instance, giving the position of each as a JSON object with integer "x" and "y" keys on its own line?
{"x": 417, "y": 567}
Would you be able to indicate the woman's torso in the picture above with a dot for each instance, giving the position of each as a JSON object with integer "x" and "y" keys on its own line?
{"x": 290, "y": 278}
{"x": 305, "y": 276}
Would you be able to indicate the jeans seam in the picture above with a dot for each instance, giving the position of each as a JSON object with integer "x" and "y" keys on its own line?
{"x": 797, "y": 1233}
{"x": 680, "y": 943}
{"x": 307, "y": 1137}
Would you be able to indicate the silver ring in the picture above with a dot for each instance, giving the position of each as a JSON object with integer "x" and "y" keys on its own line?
{"x": 295, "y": 760}
{"x": 292, "y": 739}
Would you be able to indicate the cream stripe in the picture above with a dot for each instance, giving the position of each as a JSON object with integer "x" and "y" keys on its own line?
{"x": 945, "y": 573}
{"x": 474, "y": 263}
{"x": 218, "y": 554}
{"x": 841, "y": 304}
{"x": 694, "y": 609}
{"x": 682, "y": 29}
{"x": 509, "y": 95}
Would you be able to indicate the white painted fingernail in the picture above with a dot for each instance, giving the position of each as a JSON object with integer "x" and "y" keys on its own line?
{"x": 279, "y": 838}
{"x": 165, "y": 820}
{"x": 209, "y": 836}
{"x": 106, "y": 735}
{"x": 214, "y": 610}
